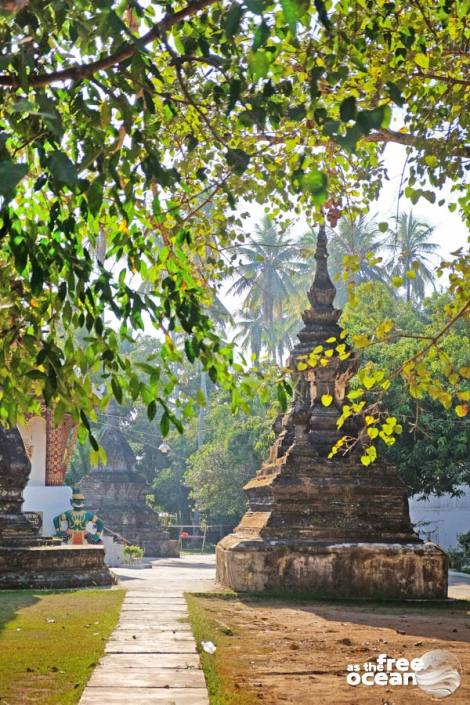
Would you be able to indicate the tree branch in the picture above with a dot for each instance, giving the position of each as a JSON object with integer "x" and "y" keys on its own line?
{"x": 408, "y": 140}
{"x": 81, "y": 71}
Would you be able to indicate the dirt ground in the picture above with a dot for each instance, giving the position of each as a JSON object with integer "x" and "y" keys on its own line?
{"x": 297, "y": 653}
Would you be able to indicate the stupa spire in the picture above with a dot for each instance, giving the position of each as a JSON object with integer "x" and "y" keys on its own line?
{"x": 323, "y": 291}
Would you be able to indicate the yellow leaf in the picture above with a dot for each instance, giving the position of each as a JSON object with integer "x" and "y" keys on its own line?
{"x": 461, "y": 410}
{"x": 301, "y": 366}
{"x": 326, "y": 399}
{"x": 372, "y": 432}
{"x": 368, "y": 382}
{"x": 422, "y": 60}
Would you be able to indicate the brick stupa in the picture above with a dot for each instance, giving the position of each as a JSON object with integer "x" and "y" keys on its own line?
{"x": 329, "y": 527}
{"x": 117, "y": 492}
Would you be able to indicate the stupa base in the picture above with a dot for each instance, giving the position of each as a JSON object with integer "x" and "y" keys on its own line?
{"x": 348, "y": 570}
{"x": 46, "y": 566}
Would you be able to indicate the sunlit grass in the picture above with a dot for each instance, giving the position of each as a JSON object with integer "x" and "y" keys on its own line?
{"x": 51, "y": 641}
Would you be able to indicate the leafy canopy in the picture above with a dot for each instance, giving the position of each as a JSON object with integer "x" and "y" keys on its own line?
{"x": 138, "y": 126}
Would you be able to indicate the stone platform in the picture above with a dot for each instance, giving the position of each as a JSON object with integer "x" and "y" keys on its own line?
{"x": 53, "y": 566}
{"x": 369, "y": 570}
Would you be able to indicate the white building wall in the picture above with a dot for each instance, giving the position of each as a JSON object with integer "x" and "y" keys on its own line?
{"x": 441, "y": 519}
{"x": 47, "y": 501}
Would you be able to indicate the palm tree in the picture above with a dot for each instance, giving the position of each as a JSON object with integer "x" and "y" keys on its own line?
{"x": 268, "y": 274}
{"x": 412, "y": 251}
{"x": 252, "y": 333}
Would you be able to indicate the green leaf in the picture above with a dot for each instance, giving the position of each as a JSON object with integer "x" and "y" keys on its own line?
{"x": 315, "y": 182}
{"x": 255, "y": 6}
{"x": 117, "y": 389}
{"x": 234, "y": 94}
{"x": 238, "y": 159}
{"x": 165, "y": 423}
{"x": 63, "y": 169}
{"x": 373, "y": 119}
{"x": 383, "y": 227}
{"x": 347, "y": 109}
{"x": 259, "y": 63}
{"x": 282, "y": 397}
{"x": 151, "y": 410}
{"x": 395, "y": 93}
{"x": 232, "y": 20}
{"x": 297, "y": 113}
{"x": 322, "y": 14}
{"x": 10, "y": 175}
{"x": 261, "y": 36}
{"x": 290, "y": 12}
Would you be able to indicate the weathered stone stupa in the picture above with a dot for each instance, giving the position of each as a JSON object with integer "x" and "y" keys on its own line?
{"x": 27, "y": 560}
{"x": 116, "y": 492}
{"x": 327, "y": 526}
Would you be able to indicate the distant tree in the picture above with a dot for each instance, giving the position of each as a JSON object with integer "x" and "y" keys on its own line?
{"x": 270, "y": 264}
{"x": 412, "y": 252}
{"x": 433, "y": 451}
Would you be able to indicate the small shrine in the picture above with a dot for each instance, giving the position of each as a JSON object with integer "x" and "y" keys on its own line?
{"x": 117, "y": 493}
{"x": 329, "y": 527}
{"x": 27, "y": 559}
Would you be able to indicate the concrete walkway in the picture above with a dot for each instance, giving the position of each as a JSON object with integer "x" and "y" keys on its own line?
{"x": 151, "y": 656}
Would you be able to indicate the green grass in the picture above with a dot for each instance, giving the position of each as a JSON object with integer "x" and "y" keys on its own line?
{"x": 45, "y": 662}
{"x": 216, "y": 667}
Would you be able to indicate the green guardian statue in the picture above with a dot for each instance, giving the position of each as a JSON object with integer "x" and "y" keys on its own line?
{"x": 77, "y": 521}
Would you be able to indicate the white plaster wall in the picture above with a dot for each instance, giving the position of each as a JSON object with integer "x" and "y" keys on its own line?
{"x": 441, "y": 519}
{"x": 50, "y": 501}
{"x": 34, "y": 437}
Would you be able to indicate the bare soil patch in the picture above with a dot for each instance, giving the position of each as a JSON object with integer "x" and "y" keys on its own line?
{"x": 287, "y": 653}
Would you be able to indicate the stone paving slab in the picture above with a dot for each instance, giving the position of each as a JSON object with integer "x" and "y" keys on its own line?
{"x": 144, "y": 696}
{"x": 149, "y": 647}
{"x": 147, "y": 607}
{"x": 129, "y": 625}
{"x": 118, "y": 661}
{"x": 145, "y": 678}
{"x": 170, "y": 602}
{"x": 152, "y": 635}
